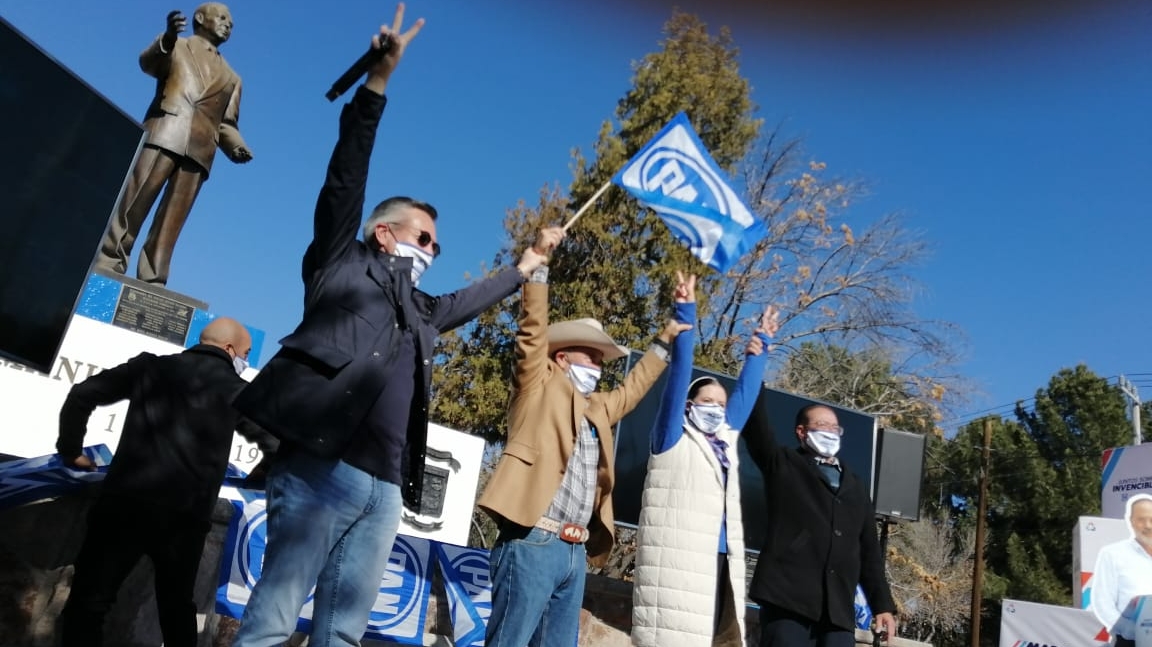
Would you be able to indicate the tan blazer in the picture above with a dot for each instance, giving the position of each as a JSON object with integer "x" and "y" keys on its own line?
{"x": 543, "y": 418}
{"x": 197, "y": 102}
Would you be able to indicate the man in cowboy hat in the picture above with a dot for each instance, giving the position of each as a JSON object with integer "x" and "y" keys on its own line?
{"x": 551, "y": 494}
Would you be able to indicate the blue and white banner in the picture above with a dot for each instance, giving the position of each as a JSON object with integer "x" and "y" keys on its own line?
{"x": 43, "y": 477}
{"x": 468, "y": 583}
{"x": 676, "y": 177}
{"x": 401, "y": 605}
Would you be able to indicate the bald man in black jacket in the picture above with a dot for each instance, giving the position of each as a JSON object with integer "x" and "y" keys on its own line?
{"x": 158, "y": 495}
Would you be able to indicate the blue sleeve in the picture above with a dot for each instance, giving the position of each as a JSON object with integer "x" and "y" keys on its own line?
{"x": 743, "y": 398}
{"x": 669, "y": 424}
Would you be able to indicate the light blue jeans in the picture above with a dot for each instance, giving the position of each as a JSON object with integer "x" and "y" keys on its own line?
{"x": 331, "y": 525}
{"x": 537, "y": 590}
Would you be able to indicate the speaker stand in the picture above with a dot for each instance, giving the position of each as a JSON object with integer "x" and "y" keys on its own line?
{"x": 884, "y": 523}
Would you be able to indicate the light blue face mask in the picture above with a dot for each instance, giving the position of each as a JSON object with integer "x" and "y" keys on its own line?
{"x": 584, "y": 378}
{"x": 706, "y": 417}
{"x": 421, "y": 260}
{"x": 239, "y": 364}
{"x": 824, "y": 443}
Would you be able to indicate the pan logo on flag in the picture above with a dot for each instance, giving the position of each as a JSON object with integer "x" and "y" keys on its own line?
{"x": 675, "y": 174}
{"x": 676, "y": 177}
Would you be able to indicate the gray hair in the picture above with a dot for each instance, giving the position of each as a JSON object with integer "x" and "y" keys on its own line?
{"x": 389, "y": 211}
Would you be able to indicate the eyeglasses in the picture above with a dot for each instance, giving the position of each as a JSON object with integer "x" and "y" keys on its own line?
{"x": 839, "y": 431}
{"x": 423, "y": 239}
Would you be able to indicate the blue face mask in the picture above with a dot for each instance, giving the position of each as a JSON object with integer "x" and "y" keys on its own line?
{"x": 239, "y": 364}
{"x": 706, "y": 417}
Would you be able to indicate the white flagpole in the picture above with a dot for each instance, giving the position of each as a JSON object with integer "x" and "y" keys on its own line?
{"x": 579, "y": 213}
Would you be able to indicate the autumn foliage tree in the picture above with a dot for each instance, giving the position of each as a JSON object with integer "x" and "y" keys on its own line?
{"x": 834, "y": 284}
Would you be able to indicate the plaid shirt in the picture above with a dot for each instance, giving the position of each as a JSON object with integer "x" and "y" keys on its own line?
{"x": 574, "y": 500}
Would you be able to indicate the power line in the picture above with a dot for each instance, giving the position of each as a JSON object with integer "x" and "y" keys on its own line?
{"x": 1001, "y": 410}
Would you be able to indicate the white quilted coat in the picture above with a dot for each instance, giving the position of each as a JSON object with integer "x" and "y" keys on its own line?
{"x": 674, "y": 589}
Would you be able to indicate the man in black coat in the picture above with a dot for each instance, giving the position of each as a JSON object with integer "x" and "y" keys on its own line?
{"x": 821, "y": 540}
{"x": 348, "y": 392}
{"x": 158, "y": 495}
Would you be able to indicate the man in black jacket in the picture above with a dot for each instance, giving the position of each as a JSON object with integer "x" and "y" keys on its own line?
{"x": 158, "y": 495}
{"x": 821, "y": 540}
{"x": 348, "y": 393}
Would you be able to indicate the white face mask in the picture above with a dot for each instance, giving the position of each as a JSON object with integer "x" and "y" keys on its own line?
{"x": 421, "y": 260}
{"x": 824, "y": 443}
{"x": 584, "y": 378}
{"x": 706, "y": 417}
{"x": 240, "y": 364}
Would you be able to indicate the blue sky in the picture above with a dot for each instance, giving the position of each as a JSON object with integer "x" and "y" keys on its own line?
{"x": 1015, "y": 140}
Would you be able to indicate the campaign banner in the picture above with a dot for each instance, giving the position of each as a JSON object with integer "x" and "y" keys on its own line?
{"x": 468, "y": 584}
{"x": 1088, "y": 537}
{"x": 43, "y": 477}
{"x": 1125, "y": 471}
{"x": 401, "y": 605}
{"x": 1028, "y": 624}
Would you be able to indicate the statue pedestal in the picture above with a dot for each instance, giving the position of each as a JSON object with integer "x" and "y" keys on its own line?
{"x": 141, "y": 307}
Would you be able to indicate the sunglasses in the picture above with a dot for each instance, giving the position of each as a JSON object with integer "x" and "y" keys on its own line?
{"x": 422, "y": 239}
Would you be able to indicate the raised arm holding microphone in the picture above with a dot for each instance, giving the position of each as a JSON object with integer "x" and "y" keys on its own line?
{"x": 348, "y": 392}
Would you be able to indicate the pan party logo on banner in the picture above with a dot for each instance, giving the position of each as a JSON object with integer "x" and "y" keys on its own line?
{"x": 468, "y": 584}
{"x": 404, "y": 592}
{"x": 402, "y": 601}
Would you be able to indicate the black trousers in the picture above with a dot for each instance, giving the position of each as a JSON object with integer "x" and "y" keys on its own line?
{"x": 782, "y": 628}
{"x": 120, "y": 532}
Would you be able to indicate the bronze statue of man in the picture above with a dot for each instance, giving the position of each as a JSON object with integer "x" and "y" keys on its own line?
{"x": 196, "y": 108}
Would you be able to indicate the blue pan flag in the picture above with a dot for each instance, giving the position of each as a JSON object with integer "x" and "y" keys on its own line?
{"x": 676, "y": 177}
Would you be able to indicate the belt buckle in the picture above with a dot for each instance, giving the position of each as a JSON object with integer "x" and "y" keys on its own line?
{"x": 573, "y": 534}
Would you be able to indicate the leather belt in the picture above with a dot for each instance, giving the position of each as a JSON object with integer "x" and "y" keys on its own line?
{"x": 569, "y": 532}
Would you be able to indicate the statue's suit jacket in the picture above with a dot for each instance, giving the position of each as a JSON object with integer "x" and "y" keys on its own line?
{"x": 197, "y": 102}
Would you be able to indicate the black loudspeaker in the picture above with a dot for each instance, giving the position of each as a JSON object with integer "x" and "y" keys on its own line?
{"x": 899, "y": 473}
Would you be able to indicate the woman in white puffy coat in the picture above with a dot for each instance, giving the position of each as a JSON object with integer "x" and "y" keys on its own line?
{"x": 689, "y": 585}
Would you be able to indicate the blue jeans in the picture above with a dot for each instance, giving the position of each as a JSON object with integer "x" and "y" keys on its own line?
{"x": 537, "y": 589}
{"x": 331, "y": 525}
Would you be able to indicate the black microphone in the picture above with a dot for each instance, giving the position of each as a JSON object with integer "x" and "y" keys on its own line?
{"x": 360, "y": 67}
